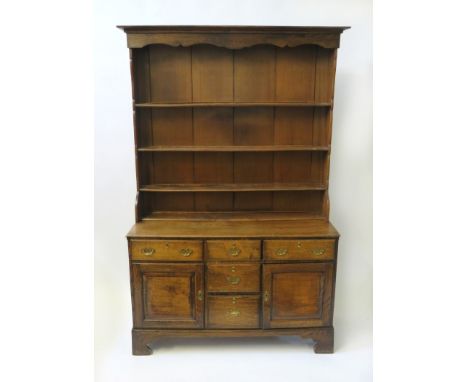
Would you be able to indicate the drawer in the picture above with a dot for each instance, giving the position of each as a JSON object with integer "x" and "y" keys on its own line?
{"x": 233, "y": 250}
{"x": 299, "y": 250}
{"x": 167, "y": 250}
{"x": 233, "y": 312}
{"x": 233, "y": 277}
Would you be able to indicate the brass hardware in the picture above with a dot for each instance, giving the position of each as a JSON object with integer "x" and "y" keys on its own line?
{"x": 318, "y": 252}
{"x": 233, "y": 280}
{"x": 200, "y": 295}
{"x": 233, "y": 269}
{"x": 281, "y": 252}
{"x": 234, "y": 313}
{"x": 186, "y": 252}
{"x": 147, "y": 251}
{"x": 233, "y": 300}
{"x": 266, "y": 296}
{"x": 234, "y": 251}
{"x": 299, "y": 244}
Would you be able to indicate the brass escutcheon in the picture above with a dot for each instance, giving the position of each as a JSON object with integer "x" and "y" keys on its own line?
{"x": 200, "y": 295}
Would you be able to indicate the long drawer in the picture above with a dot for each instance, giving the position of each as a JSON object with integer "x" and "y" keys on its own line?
{"x": 167, "y": 250}
{"x": 286, "y": 250}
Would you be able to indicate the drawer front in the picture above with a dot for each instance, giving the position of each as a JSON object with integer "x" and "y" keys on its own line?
{"x": 233, "y": 250}
{"x": 233, "y": 277}
{"x": 167, "y": 250}
{"x": 299, "y": 250}
{"x": 233, "y": 312}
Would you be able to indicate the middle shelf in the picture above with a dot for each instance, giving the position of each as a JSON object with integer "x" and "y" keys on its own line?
{"x": 233, "y": 187}
{"x": 231, "y": 104}
{"x": 233, "y": 148}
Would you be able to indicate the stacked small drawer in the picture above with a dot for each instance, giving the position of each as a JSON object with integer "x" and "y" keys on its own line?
{"x": 233, "y": 283}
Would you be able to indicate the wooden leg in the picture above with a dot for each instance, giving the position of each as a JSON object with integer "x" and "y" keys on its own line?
{"x": 140, "y": 344}
{"x": 324, "y": 338}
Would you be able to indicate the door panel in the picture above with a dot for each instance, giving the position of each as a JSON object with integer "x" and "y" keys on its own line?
{"x": 168, "y": 295}
{"x": 297, "y": 295}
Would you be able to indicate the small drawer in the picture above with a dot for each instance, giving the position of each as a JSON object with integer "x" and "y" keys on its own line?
{"x": 233, "y": 278}
{"x": 167, "y": 250}
{"x": 299, "y": 250}
{"x": 233, "y": 250}
{"x": 233, "y": 312}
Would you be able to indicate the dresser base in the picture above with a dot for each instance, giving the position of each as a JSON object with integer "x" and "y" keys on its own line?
{"x": 323, "y": 337}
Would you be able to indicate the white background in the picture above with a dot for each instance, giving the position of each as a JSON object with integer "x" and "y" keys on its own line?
{"x": 350, "y": 193}
{"x": 46, "y": 199}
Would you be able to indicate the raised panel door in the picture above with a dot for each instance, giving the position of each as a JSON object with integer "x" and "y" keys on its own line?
{"x": 297, "y": 295}
{"x": 168, "y": 295}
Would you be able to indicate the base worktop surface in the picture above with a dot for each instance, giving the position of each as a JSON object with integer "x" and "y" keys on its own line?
{"x": 232, "y": 228}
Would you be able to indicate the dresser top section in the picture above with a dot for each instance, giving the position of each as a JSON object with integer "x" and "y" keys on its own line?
{"x": 303, "y": 228}
{"x": 230, "y": 28}
{"x": 232, "y": 36}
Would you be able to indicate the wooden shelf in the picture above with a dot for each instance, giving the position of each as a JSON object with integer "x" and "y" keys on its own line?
{"x": 230, "y": 131}
{"x": 231, "y": 215}
{"x": 234, "y": 104}
{"x": 232, "y": 187}
{"x": 265, "y": 148}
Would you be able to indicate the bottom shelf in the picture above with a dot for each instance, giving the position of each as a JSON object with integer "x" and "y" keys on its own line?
{"x": 277, "y": 205}
{"x": 231, "y": 215}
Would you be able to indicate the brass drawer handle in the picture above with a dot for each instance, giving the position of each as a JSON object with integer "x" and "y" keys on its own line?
{"x": 318, "y": 252}
{"x": 200, "y": 295}
{"x": 234, "y": 313}
{"x": 147, "y": 251}
{"x": 266, "y": 296}
{"x": 233, "y": 280}
{"x": 281, "y": 252}
{"x": 234, "y": 251}
{"x": 186, "y": 252}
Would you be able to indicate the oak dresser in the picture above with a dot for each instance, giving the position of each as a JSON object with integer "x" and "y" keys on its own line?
{"x": 232, "y": 131}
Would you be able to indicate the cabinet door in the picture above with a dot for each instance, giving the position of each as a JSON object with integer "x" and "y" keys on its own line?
{"x": 168, "y": 295}
{"x": 297, "y": 295}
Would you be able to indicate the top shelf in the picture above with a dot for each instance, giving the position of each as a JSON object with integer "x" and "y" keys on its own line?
{"x": 234, "y": 104}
